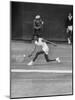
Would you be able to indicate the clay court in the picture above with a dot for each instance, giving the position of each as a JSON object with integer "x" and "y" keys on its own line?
{"x": 42, "y": 78}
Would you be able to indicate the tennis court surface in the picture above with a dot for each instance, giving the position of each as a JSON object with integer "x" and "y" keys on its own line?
{"x": 42, "y": 78}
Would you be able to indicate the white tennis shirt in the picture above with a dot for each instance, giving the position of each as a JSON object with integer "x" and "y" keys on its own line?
{"x": 43, "y": 44}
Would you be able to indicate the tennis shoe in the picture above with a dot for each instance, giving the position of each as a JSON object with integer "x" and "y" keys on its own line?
{"x": 30, "y": 63}
{"x": 58, "y": 60}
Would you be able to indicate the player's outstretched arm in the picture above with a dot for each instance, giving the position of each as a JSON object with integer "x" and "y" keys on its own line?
{"x": 50, "y": 42}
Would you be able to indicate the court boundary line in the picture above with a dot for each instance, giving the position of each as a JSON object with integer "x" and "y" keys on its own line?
{"x": 41, "y": 71}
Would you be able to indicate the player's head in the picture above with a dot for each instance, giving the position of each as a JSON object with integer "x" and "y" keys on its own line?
{"x": 37, "y": 17}
{"x": 70, "y": 16}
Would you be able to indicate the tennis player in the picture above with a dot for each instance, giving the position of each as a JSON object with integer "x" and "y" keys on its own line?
{"x": 45, "y": 50}
{"x": 69, "y": 28}
{"x": 37, "y": 26}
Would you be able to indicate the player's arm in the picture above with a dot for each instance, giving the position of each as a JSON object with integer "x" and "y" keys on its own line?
{"x": 49, "y": 42}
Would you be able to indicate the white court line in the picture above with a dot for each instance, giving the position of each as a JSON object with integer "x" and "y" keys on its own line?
{"x": 42, "y": 71}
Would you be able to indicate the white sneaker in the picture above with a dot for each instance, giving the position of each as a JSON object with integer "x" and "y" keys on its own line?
{"x": 30, "y": 63}
{"x": 58, "y": 60}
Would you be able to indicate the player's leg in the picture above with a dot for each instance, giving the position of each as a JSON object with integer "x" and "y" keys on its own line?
{"x": 48, "y": 60}
{"x": 69, "y": 37}
{"x": 37, "y": 54}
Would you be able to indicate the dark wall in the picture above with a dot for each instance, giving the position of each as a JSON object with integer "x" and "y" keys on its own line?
{"x": 54, "y": 16}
